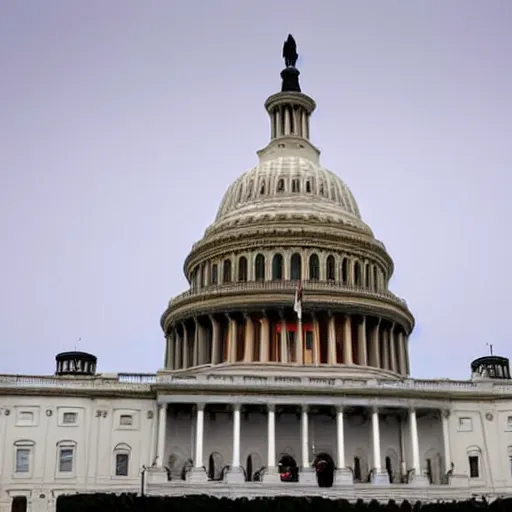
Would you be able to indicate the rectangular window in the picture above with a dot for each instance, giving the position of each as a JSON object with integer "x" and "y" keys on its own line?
{"x": 69, "y": 418}
{"x": 465, "y": 425}
{"x": 509, "y": 423}
{"x": 510, "y": 463}
{"x": 126, "y": 420}
{"x": 66, "y": 460}
{"x": 22, "y": 460}
{"x": 309, "y": 340}
{"x": 474, "y": 471}
{"x": 25, "y": 418}
{"x": 122, "y": 464}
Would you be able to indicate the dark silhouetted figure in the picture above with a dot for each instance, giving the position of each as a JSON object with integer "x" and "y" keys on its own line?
{"x": 290, "y": 54}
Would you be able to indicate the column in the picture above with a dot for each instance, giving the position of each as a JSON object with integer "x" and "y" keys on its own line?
{"x": 178, "y": 358}
{"x": 235, "y": 473}
{"x": 361, "y": 343}
{"x": 299, "y": 343}
{"x": 340, "y": 436}
{"x": 195, "y": 350}
{"x": 249, "y": 339}
{"x": 316, "y": 341}
{"x": 407, "y": 361}
{"x": 445, "y": 415}
{"x": 413, "y": 425}
{"x": 185, "y": 347}
{"x": 305, "y": 437}
{"x": 347, "y": 341}
{"x": 233, "y": 340}
{"x": 331, "y": 339}
{"x": 385, "y": 349}
{"x": 401, "y": 354}
{"x": 376, "y": 441}
{"x": 283, "y": 340}
{"x": 162, "y": 425}
{"x": 392, "y": 349}
{"x": 215, "y": 340}
{"x": 375, "y": 348}
{"x": 236, "y": 436}
{"x": 264, "y": 339}
{"x": 271, "y": 474}
{"x": 198, "y": 462}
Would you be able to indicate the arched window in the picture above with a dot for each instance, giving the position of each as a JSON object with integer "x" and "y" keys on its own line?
{"x": 122, "y": 460}
{"x": 277, "y": 267}
{"x": 262, "y": 188}
{"x": 367, "y": 275}
{"x": 308, "y": 187}
{"x": 314, "y": 267}
{"x": 242, "y": 268}
{"x": 329, "y": 268}
{"x": 66, "y": 451}
{"x": 357, "y": 273}
{"x": 259, "y": 268}
{"x": 344, "y": 271}
{"x": 295, "y": 185}
{"x": 201, "y": 276}
{"x": 296, "y": 266}
{"x": 280, "y": 185}
{"x": 375, "y": 279}
{"x": 226, "y": 271}
{"x": 357, "y": 469}
{"x": 215, "y": 274}
{"x": 249, "y": 189}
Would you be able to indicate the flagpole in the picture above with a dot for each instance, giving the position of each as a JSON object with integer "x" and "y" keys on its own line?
{"x": 299, "y": 348}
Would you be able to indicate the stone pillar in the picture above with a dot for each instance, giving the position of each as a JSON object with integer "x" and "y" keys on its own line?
{"x": 347, "y": 341}
{"x": 249, "y": 339}
{"x": 418, "y": 478}
{"x": 307, "y": 473}
{"x": 299, "y": 343}
{"x": 385, "y": 349}
{"x": 271, "y": 474}
{"x": 169, "y": 351}
{"x": 195, "y": 351}
{"x": 361, "y": 342}
{"x": 342, "y": 476}
{"x": 379, "y": 477}
{"x": 283, "y": 340}
{"x": 375, "y": 346}
{"x": 235, "y": 473}
{"x": 185, "y": 347}
{"x": 162, "y": 430}
{"x": 264, "y": 339}
{"x": 202, "y": 352}
{"x": 233, "y": 340}
{"x": 316, "y": 341}
{"x": 392, "y": 349}
{"x": 331, "y": 340}
{"x": 401, "y": 354}
{"x": 215, "y": 340}
{"x": 198, "y": 472}
{"x": 407, "y": 361}
{"x": 445, "y": 418}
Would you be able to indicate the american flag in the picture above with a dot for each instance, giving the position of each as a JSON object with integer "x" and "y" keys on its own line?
{"x": 297, "y": 307}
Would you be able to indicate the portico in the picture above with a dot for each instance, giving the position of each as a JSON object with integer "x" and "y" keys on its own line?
{"x": 380, "y": 443}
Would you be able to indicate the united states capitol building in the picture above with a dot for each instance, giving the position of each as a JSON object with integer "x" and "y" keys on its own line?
{"x": 286, "y": 367}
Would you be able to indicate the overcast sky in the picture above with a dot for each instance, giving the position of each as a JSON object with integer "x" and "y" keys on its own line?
{"x": 123, "y": 122}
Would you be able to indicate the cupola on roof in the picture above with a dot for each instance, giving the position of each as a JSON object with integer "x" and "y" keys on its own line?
{"x": 289, "y": 179}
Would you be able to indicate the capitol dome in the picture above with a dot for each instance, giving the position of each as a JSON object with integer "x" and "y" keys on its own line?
{"x": 293, "y": 185}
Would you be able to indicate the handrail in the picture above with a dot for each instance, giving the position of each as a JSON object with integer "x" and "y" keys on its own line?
{"x": 289, "y": 286}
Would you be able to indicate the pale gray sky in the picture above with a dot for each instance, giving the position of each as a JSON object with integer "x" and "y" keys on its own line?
{"x": 123, "y": 122}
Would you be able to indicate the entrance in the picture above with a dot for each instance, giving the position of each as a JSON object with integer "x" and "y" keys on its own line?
{"x": 324, "y": 468}
{"x": 288, "y": 469}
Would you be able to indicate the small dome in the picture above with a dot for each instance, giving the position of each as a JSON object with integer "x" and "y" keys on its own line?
{"x": 293, "y": 186}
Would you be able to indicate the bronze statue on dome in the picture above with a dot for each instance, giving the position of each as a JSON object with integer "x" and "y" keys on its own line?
{"x": 290, "y": 54}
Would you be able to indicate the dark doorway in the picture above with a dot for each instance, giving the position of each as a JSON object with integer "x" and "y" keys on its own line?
{"x": 288, "y": 469}
{"x": 324, "y": 468}
{"x": 19, "y": 504}
{"x": 249, "y": 470}
{"x": 389, "y": 469}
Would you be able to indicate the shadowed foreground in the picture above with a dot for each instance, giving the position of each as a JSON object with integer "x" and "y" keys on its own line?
{"x": 132, "y": 502}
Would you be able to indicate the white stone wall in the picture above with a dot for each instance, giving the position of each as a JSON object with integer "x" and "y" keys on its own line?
{"x": 95, "y": 436}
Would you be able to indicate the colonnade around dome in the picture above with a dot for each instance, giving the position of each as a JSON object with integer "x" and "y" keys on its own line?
{"x": 275, "y": 336}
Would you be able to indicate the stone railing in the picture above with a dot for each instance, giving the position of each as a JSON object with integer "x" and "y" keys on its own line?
{"x": 135, "y": 381}
{"x": 211, "y": 291}
{"x": 335, "y": 383}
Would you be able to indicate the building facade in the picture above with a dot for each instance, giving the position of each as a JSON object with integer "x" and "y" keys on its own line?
{"x": 286, "y": 367}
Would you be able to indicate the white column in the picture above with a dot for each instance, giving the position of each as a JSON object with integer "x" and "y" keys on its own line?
{"x": 271, "y": 440}
{"x": 284, "y": 341}
{"x": 445, "y": 415}
{"x": 264, "y": 340}
{"x": 401, "y": 354}
{"x": 162, "y": 422}
{"x": 235, "y": 463}
{"x": 392, "y": 349}
{"x": 376, "y": 440}
{"x": 331, "y": 339}
{"x": 413, "y": 425}
{"x": 305, "y": 437}
{"x": 215, "y": 340}
{"x": 340, "y": 435}
{"x": 184, "y": 353}
{"x": 361, "y": 342}
{"x": 248, "y": 339}
{"x": 347, "y": 341}
{"x": 198, "y": 462}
